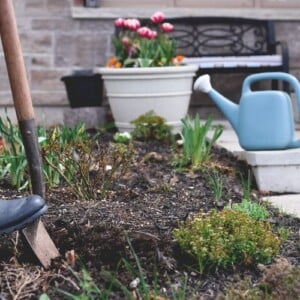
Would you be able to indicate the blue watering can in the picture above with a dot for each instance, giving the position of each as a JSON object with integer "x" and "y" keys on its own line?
{"x": 263, "y": 120}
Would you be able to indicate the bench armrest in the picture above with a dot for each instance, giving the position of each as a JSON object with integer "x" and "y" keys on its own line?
{"x": 284, "y": 50}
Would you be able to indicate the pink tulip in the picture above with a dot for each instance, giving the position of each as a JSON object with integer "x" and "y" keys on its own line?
{"x": 143, "y": 32}
{"x": 119, "y": 22}
{"x": 152, "y": 34}
{"x": 167, "y": 27}
{"x": 158, "y": 17}
{"x": 132, "y": 24}
{"x": 126, "y": 41}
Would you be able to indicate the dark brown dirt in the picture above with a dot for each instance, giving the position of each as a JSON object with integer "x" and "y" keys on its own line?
{"x": 145, "y": 205}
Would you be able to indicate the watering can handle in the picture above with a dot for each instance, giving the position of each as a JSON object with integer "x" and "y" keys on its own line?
{"x": 292, "y": 80}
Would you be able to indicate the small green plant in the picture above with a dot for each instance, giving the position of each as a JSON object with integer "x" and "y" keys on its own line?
{"x": 89, "y": 290}
{"x": 90, "y": 171}
{"x": 216, "y": 182}
{"x": 122, "y": 137}
{"x": 149, "y": 127}
{"x": 256, "y": 211}
{"x": 13, "y": 158}
{"x": 196, "y": 146}
{"x": 59, "y": 151}
{"x": 226, "y": 238}
{"x": 246, "y": 185}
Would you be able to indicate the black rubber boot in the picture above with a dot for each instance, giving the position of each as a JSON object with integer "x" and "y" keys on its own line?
{"x": 16, "y": 214}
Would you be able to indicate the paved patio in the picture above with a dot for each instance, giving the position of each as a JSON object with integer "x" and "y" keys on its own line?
{"x": 274, "y": 171}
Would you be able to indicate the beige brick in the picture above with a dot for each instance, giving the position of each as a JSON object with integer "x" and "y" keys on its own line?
{"x": 101, "y": 26}
{"x": 47, "y": 80}
{"x": 36, "y": 4}
{"x": 4, "y": 83}
{"x": 65, "y": 50}
{"x": 53, "y": 24}
{"x": 62, "y": 7}
{"x": 56, "y": 98}
{"x": 287, "y": 32}
{"x": 41, "y": 61}
{"x": 81, "y": 50}
{"x": 5, "y": 99}
{"x": 36, "y": 42}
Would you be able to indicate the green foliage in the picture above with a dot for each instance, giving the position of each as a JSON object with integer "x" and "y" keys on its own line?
{"x": 91, "y": 168}
{"x": 89, "y": 290}
{"x": 13, "y": 161}
{"x": 246, "y": 184}
{"x": 122, "y": 137}
{"x": 254, "y": 210}
{"x": 221, "y": 239}
{"x": 149, "y": 127}
{"x": 196, "y": 146}
{"x": 216, "y": 182}
{"x": 60, "y": 149}
{"x": 70, "y": 156}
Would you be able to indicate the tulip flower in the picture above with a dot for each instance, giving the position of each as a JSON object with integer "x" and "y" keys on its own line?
{"x": 132, "y": 24}
{"x": 167, "y": 27}
{"x": 143, "y": 32}
{"x": 158, "y": 17}
{"x": 144, "y": 46}
{"x": 119, "y": 22}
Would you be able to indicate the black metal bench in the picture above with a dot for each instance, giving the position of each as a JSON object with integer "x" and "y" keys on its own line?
{"x": 226, "y": 45}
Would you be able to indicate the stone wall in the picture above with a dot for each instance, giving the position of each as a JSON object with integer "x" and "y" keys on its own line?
{"x": 55, "y": 44}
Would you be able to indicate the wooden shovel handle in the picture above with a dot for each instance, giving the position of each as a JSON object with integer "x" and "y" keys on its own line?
{"x": 21, "y": 93}
{"x": 15, "y": 62}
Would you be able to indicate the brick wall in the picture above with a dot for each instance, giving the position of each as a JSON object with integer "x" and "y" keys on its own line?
{"x": 54, "y": 44}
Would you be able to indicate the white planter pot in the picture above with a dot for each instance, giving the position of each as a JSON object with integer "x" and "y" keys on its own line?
{"x": 134, "y": 91}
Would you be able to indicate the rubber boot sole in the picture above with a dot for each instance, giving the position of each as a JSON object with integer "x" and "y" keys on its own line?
{"x": 25, "y": 222}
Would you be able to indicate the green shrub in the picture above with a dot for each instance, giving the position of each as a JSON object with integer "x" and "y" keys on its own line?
{"x": 149, "y": 127}
{"x": 196, "y": 146}
{"x": 221, "y": 239}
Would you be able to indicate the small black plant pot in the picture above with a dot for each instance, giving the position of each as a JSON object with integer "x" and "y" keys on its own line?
{"x": 84, "y": 89}
{"x": 91, "y": 3}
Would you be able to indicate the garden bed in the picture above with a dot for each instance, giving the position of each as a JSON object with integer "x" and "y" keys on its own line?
{"x": 134, "y": 223}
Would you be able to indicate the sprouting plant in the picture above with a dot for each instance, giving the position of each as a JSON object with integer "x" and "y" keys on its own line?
{"x": 149, "y": 127}
{"x": 89, "y": 290}
{"x": 216, "y": 182}
{"x": 59, "y": 151}
{"x": 222, "y": 239}
{"x": 254, "y": 210}
{"x": 196, "y": 146}
{"x": 13, "y": 158}
{"x": 90, "y": 168}
{"x": 122, "y": 137}
{"x": 246, "y": 185}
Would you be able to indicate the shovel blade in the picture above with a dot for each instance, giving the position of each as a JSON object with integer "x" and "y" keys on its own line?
{"x": 41, "y": 243}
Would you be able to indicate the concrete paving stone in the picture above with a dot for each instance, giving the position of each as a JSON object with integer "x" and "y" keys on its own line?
{"x": 274, "y": 171}
{"x": 289, "y": 203}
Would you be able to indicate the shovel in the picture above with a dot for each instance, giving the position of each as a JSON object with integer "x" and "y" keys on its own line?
{"x": 35, "y": 234}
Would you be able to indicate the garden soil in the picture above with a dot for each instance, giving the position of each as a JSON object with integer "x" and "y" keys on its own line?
{"x": 134, "y": 226}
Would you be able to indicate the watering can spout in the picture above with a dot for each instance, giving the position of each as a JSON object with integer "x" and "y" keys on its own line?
{"x": 229, "y": 109}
